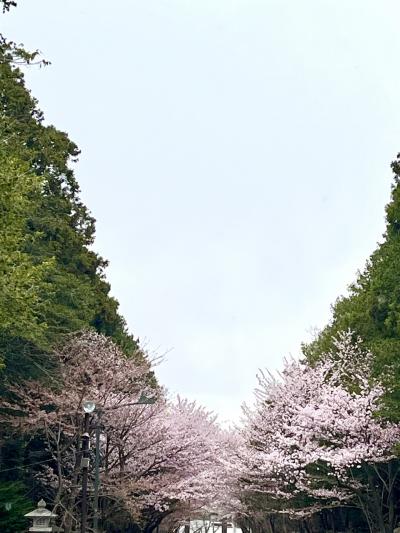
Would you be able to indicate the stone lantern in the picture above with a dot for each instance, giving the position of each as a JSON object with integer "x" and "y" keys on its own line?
{"x": 42, "y": 518}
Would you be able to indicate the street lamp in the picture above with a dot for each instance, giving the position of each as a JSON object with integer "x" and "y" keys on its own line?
{"x": 143, "y": 400}
{"x": 88, "y": 407}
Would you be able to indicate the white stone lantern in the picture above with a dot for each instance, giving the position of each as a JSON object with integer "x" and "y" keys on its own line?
{"x": 42, "y": 518}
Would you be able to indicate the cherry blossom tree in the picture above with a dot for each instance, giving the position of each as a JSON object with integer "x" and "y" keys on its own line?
{"x": 178, "y": 463}
{"x": 314, "y": 439}
{"x": 91, "y": 367}
{"x": 156, "y": 460}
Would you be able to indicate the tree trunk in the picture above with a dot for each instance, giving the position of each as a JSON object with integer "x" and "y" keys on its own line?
{"x": 71, "y": 499}
{"x": 392, "y": 475}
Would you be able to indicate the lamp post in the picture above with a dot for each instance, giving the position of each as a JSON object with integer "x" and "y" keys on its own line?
{"x": 88, "y": 407}
{"x": 97, "y": 475}
{"x": 143, "y": 400}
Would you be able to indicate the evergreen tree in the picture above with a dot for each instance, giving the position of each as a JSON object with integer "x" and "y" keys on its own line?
{"x": 51, "y": 282}
{"x": 55, "y": 230}
{"x": 372, "y": 307}
{"x": 13, "y": 505}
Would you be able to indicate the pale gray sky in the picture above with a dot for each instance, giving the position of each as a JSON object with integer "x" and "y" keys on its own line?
{"x": 236, "y": 156}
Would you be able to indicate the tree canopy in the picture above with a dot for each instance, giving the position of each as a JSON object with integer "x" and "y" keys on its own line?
{"x": 322, "y": 437}
{"x": 372, "y": 307}
{"x": 51, "y": 281}
{"x": 47, "y": 235}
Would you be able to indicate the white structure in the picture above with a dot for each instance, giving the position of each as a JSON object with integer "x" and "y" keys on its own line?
{"x": 205, "y": 526}
{"x": 42, "y": 518}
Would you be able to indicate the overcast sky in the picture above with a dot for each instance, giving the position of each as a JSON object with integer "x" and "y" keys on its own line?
{"x": 235, "y": 154}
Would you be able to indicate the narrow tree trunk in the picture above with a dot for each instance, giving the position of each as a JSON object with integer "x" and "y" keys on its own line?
{"x": 392, "y": 474}
{"x": 272, "y": 524}
{"x": 71, "y": 499}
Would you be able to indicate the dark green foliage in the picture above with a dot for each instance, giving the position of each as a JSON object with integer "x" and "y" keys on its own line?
{"x": 328, "y": 520}
{"x": 51, "y": 282}
{"x": 372, "y": 308}
{"x": 53, "y": 229}
{"x": 12, "y": 519}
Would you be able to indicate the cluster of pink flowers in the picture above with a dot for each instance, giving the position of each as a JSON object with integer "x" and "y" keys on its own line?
{"x": 311, "y": 429}
{"x": 313, "y": 425}
{"x": 162, "y": 456}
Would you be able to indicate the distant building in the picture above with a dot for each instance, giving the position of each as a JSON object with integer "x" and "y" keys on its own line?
{"x": 201, "y": 526}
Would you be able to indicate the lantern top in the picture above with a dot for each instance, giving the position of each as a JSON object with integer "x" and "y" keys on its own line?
{"x": 41, "y": 511}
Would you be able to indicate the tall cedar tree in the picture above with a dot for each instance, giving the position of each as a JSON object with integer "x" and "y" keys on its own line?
{"x": 51, "y": 282}
{"x": 372, "y": 307}
{"x": 58, "y": 228}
